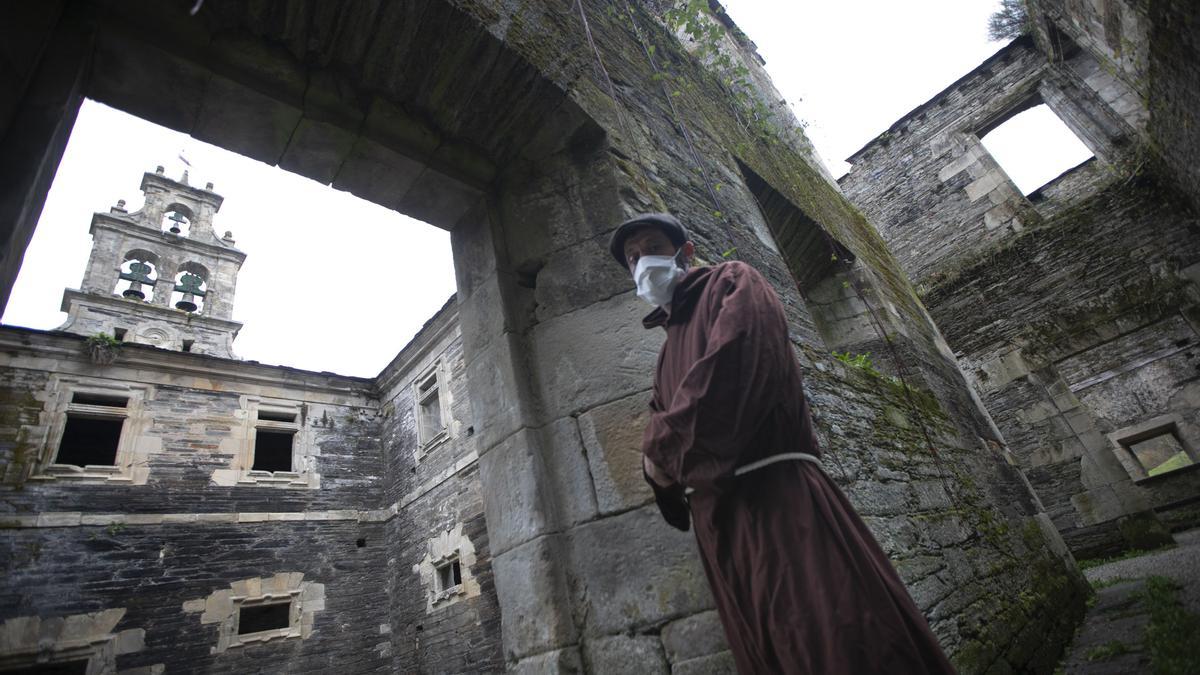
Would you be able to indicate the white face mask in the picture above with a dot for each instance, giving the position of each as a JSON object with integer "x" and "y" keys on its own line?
{"x": 656, "y": 277}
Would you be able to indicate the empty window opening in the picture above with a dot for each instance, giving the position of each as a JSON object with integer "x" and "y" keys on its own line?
{"x": 449, "y": 575}
{"x": 429, "y": 408}
{"x": 1034, "y": 147}
{"x": 120, "y": 333}
{"x": 275, "y": 416}
{"x": 82, "y": 398}
{"x": 361, "y": 543}
{"x": 1160, "y": 454}
{"x": 259, "y": 618}
{"x": 64, "y": 668}
{"x": 822, "y": 268}
{"x": 89, "y": 440}
{"x": 187, "y": 345}
{"x": 272, "y": 450}
{"x": 811, "y": 253}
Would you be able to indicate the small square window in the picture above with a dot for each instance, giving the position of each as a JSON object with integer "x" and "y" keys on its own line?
{"x": 1160, "y": 454}
{"x": 1153, "y": 448}
{"x": 260, "y": 618}
{"x": 1034, "y": 147}
{"x": 449, "y": 575}
{"x": 90, "y": 440}
{"x": 272, "y": 450}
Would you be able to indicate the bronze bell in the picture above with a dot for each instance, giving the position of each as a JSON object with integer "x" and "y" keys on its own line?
{"x": 138, "y": 274}
{"x": 134, "y": 291}
{"x": 176, "y": 219}
{"x": 190, "y": 285}
{"x": 187, "y": 304}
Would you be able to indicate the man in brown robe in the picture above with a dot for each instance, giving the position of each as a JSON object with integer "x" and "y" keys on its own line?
{"x": 800, "y": 584}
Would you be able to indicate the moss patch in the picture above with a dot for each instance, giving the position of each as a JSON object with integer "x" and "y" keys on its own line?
{"x": 1171, "y": 633}
{"x": 1108, "y": 650}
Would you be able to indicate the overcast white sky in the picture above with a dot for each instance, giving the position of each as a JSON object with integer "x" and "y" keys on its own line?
{"x": 335, "y": 283}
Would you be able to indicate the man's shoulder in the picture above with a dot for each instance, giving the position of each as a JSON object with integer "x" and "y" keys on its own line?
{"x": 736, "y": 270}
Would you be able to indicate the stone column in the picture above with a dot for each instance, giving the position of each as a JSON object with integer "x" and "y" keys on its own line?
{"x": 559, "y": 368}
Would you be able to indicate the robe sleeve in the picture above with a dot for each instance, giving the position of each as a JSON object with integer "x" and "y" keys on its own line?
{"x": 703, "y": 434}
{"x": 671, "y": 500}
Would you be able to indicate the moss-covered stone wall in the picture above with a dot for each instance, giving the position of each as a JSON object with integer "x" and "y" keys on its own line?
{"x": 1070, "y": 307}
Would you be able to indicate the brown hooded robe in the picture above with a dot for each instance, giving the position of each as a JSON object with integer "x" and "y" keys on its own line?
{"x": 800, "y": 584}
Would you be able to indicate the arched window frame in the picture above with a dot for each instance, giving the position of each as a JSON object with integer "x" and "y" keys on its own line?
{"x": 198, "y": 295}
{"x": 131, "y": 281}
{"x": 186, "y": 218}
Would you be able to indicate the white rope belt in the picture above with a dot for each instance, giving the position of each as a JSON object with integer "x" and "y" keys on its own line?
{"x": 767, "y": 461}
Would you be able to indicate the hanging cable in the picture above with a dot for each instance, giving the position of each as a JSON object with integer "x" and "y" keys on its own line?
{"x": 612, "y": 93}
{"x": 720, "y": 211}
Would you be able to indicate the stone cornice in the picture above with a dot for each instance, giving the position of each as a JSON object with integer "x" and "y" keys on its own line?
{"x": 160, "y": 180}
{"x": 167, "y": 313}
{"x": 144, "y": 363}
{"x": 155, "y": 236}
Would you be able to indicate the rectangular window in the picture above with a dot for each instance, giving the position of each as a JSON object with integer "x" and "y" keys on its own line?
{"x": 1034, "y": 147}
{"x": 273, "y": 450}
{"x": 1160, "y": 454}
{"x": 275, "y": 435}
{"x": 88, "y": 440}
{"x": 449, "y": 575}
{"x": 429, "y": 408}
{"x": 259, "y": 618}
{"x": 92, "y": 433}
{"x": 1154, "y": 447}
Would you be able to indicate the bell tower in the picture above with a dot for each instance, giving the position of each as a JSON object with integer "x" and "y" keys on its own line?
{"x": 160, "y": 276}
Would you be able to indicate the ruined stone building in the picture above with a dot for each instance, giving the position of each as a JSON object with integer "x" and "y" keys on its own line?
{"x": 479, "y": 505}
{"x": 1074, "y": 310}
{"x": 145, "y": 414}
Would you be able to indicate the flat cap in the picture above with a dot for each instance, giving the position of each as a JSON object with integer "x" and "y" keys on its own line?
{"x": 666, "y": 222}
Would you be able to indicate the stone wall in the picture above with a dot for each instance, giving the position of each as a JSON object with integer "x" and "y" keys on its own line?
{"x": 162, "y": 576}
{"x": 376, "y": 507}
{"x": 194, "y": 426}
{"x": 1067, "y": 308}
{"x": 170, "y": 541}
{"x": 1153, "y": 47}
{"x": 931, "y": 187}
{"x": 433, "y": 486}
{"x": 1093, "y": 348}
